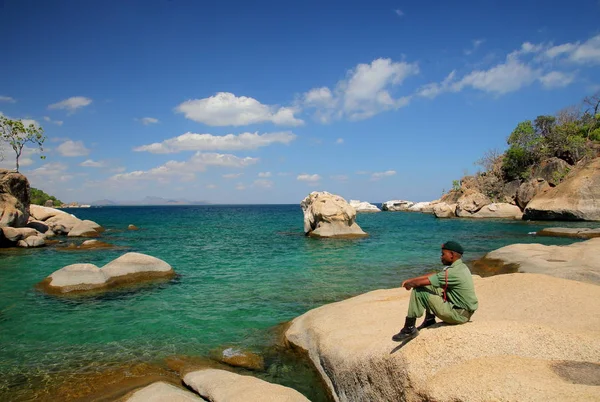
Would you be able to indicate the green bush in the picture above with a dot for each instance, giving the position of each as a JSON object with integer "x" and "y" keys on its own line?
{"x": 38, "y": 197}
{"x": 517, "y": 162}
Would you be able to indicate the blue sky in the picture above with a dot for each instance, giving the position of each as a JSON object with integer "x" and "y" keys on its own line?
{"x": 264, "y": 102}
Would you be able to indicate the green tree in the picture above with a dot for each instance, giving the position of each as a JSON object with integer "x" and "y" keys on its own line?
{"x": 39, "y": 197}
{"x": 525, "y": 148}
{"x": 17, "y": 135}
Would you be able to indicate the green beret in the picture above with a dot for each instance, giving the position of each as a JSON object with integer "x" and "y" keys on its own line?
{"x": 453, "y": 246}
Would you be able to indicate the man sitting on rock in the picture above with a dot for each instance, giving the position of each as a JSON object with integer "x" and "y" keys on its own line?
{"x": 449, "y": 294}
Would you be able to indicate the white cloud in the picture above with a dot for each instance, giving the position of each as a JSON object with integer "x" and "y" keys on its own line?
{"x": 312, "y": 178}
{"x": 240, "y": 187}
{"x": 26, "y": 158}
{"x": 26, "y": 122}
{"x": 185, "y": 170}
{"x": 339, "y": 177}
{"x": 501, "y": 79}
{"x": 587, "y": 52}
{"x": 92, "y": 163}
{"x": 7, "y": 99}
{"x": 474, "y": 46}
{"x": 556, "y": 79}
{"x": 71, "y": 104}
{"x": 364, "y": 93}
{"x": 264, "y": 174}
{"x": 72, "y": 148}
{"x": 57, "y": 122}
{"x": 399, "y": 12}
{"x": 232, "y": 175}
{"x": 209, "y": 142}
{"x": 226, "y": 109}
{"x": 146, "y": 121}
{"x": 263, "y": 183}
{"x": 380, "y": 175}
{"x": 50, "y": 172}
{"x": 339, "y": 141}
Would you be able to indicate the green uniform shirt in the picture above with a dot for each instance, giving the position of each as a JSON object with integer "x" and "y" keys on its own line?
{"x": 461, "y": 291}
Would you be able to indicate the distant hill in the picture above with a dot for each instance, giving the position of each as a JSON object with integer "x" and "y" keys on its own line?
{"x": 148, "y": 200}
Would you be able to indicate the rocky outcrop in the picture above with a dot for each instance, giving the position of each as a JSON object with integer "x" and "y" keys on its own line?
{"x": 160, "y": 392}
{"x": 224, "y": 386}
{"x": 578, "y": 261}
{"x": 14, "y": 199}
{"x": 363, "y": 206}
{"x": 444, "y": 210}
{"x": 424, "y": 207}
{"x": 130, "y": 268}
{"x": 534, "y": 337}
{"x": 495, "y": 210}
{"x": 576, "y": 198}
{"x": 470, "y": 202}
{"x": 577, "y": 233}
{"x": 552, "y": 170}
{"x": 64, "y": 223}
{"x": 396, "y": 205}
{"x": 329, "y": 215}
{"x": 529, "y": 189}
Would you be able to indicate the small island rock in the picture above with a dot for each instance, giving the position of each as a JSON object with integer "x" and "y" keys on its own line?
{"x": 396, "y": 205}
{"x": 329, "y": 215}
{"x": 578, "y": 233}
{"x": 240, "y": 358}
{"x": 363, "y": 206}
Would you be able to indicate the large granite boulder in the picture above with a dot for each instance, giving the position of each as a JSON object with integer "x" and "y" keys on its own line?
{"x": 363, "y": 206}
{"x": 329, "y": 215}
{"x": 509, "y": 191}
{"x": 534, "y": 338}
{"x": 396, "y": 205}
{"x": 20, "y": 237}
{"x": 470, "y": 202}
{"x": 14, "y": 199}
{"x": 576, "y": 198}
{"x": 61, "y": 222}
{"x": 529, "y": 189}
{"x": 224, "y": 386}
{"x": 130, "y": 268}
{"x": 423, "y": 206}
{"x": 577, "y": 261}
{"x": 444, "y": 210}
{"x": 162, "y": 392}
{"x": 495, "y": 210}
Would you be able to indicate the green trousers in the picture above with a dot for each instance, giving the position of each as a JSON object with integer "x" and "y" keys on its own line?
{"x": 431, "y": 299}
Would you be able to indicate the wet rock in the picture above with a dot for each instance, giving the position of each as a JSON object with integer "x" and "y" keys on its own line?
{"x": 162, "y": 392}
{"x": 132, "y": 227}
{"x": 240, "y": 358}
{"x": 578, "y": 233}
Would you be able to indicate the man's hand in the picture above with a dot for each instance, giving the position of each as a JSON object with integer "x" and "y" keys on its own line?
{"x": 407, "y": 285}
{"x": 416, "y": 282}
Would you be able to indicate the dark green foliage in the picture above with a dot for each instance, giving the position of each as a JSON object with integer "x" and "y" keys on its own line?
{"x": 516, "y": 163}
{"x": 39, "y": 197}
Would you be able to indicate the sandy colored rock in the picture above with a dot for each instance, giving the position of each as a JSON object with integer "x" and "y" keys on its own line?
{"x": 132, "y": 227}
{"x": 363, "y": 206}
{"x": 396, "y": 205}
{"x": 552, "y": 170}
{"x": 579, "y": 261}
{"x": 32, "y": 241}
{"x": 424, "y": 207}
{"x": 14, "y": 199}
{"x": 496, "y": 210}
{"x": 236, "y": 357}
{"x": 85, "y": 229}
{"x": 224, "y": 386}
{"x": 444, "y": 210}
{"x": 525, "y": 326}
{"x": 162, "y": 392}
{"x": 579, "y": 233}
{"x": 470, "y": 202}
{"x": 41, "y": 213}
{"x": 576, "y": 198}
{"x": 329, "y": 215}
{"x": 529, "y": 189}
{"x": 128, "y": 269}
{"x": 16, "y": 234}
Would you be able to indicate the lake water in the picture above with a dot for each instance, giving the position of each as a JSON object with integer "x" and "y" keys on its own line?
{"x": 242, "y": 270}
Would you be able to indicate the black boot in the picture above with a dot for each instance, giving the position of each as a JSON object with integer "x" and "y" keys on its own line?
{"x": 428, "y": 321}
{"x": 408, "y": 332}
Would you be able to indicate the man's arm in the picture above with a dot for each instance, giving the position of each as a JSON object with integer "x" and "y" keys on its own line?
{"x": 422, "y": 280}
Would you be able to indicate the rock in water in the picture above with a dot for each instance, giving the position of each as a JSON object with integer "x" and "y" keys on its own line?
{"x": 363, "y": 206}
{"x": 329, "y": 215}
{"x": 162, "y": 391}
{"x": 576, "y": 198}
{"x": 397, "y": 205}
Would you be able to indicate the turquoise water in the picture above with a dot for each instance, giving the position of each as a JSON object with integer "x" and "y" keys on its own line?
{"x": 242, "y": 270}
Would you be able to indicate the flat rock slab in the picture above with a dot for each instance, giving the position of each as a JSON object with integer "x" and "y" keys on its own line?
{"x": 224, "y": 386}
{"x": 578, "y": 261}
{"x": 579, "y": 233}
{"x": 130, "y": 268}
{"x": 527, "y": 326}
{"x": 162, "y": 392}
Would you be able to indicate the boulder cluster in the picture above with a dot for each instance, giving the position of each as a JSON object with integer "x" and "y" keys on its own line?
{"x": 25, "y": 225}
{"x": 329, "y": 215}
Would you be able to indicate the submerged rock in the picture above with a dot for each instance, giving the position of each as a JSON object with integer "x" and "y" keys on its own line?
{"x": 240, "y": 358}
{"x": 130, "y": 268}
{"x": 526, "y": 326}
{"x": 224, "y": 386}
{"x": 329, "y": 215}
